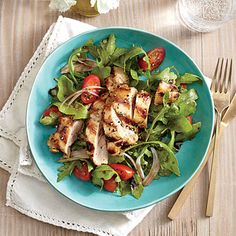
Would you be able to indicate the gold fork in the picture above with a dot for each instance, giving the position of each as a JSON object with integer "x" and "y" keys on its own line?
{"x": 220, "y": 88}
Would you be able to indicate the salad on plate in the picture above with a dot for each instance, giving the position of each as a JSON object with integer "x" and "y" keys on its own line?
{"x": 119, "y": 120}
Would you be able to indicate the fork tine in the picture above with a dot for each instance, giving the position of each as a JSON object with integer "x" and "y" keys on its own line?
{"x": 229, "y": 77}
{"x": 213, "y": 84}
{"x": 220, "y": 78}
{"x": 224, "y": 77}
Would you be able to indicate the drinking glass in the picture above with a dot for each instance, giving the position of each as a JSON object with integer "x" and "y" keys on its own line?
{"x": 205, "y": 15}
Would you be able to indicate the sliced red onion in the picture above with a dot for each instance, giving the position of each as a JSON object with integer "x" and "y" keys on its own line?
{"x": 93, "y": 87}
{"x": 76, "y": 155}
{"x": 74, "y": 98}
{"x": 131, "y": 159}
{"x": 154, "y": 169}
{"x": 77, "y": 94}
{"x": 80, "y": 153}
{"x": 139, "y": 167}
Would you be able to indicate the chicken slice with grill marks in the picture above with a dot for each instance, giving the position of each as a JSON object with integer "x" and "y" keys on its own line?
{"x": 116, "y": 128}
{"x": 95, "y": 137}
{"x": 118, "y": 77}
{"x": 164, "y": 87}
{"x": 141, "y": 108}
{"x": 66, "y": 134}
{"x": 123, "y": 100}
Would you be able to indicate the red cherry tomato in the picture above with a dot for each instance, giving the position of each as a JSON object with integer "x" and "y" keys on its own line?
{"x": 190, "y": 119}
{"x": 51, "y": 109}
{"x": 184, "y": 86}
{"x": 91, "y": 80}
{"x": 110, "y": 185}
{"x": 123, "y": 171}
{"x": 82, "y": 172}
{"x": 156, "y": 56}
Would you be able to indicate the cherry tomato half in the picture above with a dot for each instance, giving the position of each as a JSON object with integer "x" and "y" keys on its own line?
{"x": 110, "y": 185}
{"x": 190, "y": 119}
{"x": 156, "y": 56}
{"x": 82, "y": 172}
{"x": 123, "y": 171}
{"x": 51, "y": 109}
{"x": 184, "y": 86}
{"x": 91, "y": 80}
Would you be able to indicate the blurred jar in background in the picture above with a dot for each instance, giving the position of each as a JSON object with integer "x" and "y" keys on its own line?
{"x": 205, "y": 15}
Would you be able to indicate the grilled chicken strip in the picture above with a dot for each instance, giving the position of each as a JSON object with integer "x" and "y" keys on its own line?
{"x": 117, "y": 78}
{"x": 117, "y": 129}
{"x": 66, "y": 134}
{"x": 94, "y": 133}
{"x": 142, "y": 103}
{"x": 114, "y": 148}
{"x": 164, "y": 87}
{"x": 123, "y": 100}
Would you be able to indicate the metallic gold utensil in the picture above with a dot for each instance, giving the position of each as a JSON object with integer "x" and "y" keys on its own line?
{"x": 221, "y": 86}
{"x": 228, "y": 116}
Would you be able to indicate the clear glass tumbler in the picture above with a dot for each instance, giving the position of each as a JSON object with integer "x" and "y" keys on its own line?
{"x": 205, "y": 15}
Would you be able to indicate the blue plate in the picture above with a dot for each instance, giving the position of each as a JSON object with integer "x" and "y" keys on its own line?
{"x": 190, "y": 156}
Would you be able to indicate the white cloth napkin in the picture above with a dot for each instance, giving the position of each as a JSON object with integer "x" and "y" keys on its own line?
{"x": 27, "y": 190}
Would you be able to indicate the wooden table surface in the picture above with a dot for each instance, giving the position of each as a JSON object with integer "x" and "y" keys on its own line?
{"x": 22, "y": 26}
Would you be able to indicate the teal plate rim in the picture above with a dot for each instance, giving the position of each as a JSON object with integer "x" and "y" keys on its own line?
{"x": 121, "y": 209}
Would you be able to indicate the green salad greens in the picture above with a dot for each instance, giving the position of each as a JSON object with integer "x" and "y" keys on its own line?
{"x": 120, "y": 150}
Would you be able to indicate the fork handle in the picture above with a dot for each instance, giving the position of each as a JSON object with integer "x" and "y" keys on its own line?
{"x": 213, "y": 175}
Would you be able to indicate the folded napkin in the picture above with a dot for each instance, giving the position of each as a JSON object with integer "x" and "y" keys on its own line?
{"x": 27, "y": 190}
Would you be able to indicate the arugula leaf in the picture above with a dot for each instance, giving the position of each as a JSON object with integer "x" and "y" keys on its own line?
{"x": 103, "y": 172}
{"x": 78, "y": 110}
{"x": 189, "y": 135}
{"x": 135, "y": 77}
{"x": 187, "y": 95}
{"x": 53, "y": 92}
{"x": 124, "y": 188}
{"x": 186, "y": 102}
{"x": 131, "y": 53}
{"x": 90, "y": 165}
{"x": 116, "y": 159}
{"x": 65, "y": 88}
{"x": 105, "y": 50}
{"x": 117, "y": 53}
{"x": 137, "y": 186}
{"x": 187, "y": 78}
{"x": 102, "y": 72}
{"x": 158, "y": 117}
{"x": 172, "y": 140}
{"x": 103, "y": 57}
{"x": 52, "y": 119}
{"x": 74, "y": 57}
{"x": 164, "y": 172}
{"x": 92, "y": 49}
{"x": 158, "y": 132}
{"x": 180, "y": 124}
{"x": 111, "y": 44}
{"x": 168, "y": 162}
{"x": 65, "y": 170}
{"x": 166, "y": 75}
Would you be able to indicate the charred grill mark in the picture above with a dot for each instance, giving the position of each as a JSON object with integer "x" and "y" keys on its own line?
{"x": 92, "y": 127}
{"x": 145, "y": 96}
{"x": 142, "y": 112}
{"x": 126, "y": 120}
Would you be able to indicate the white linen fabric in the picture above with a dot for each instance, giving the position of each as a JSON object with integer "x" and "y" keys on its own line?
{"x": 27, "y": 190}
